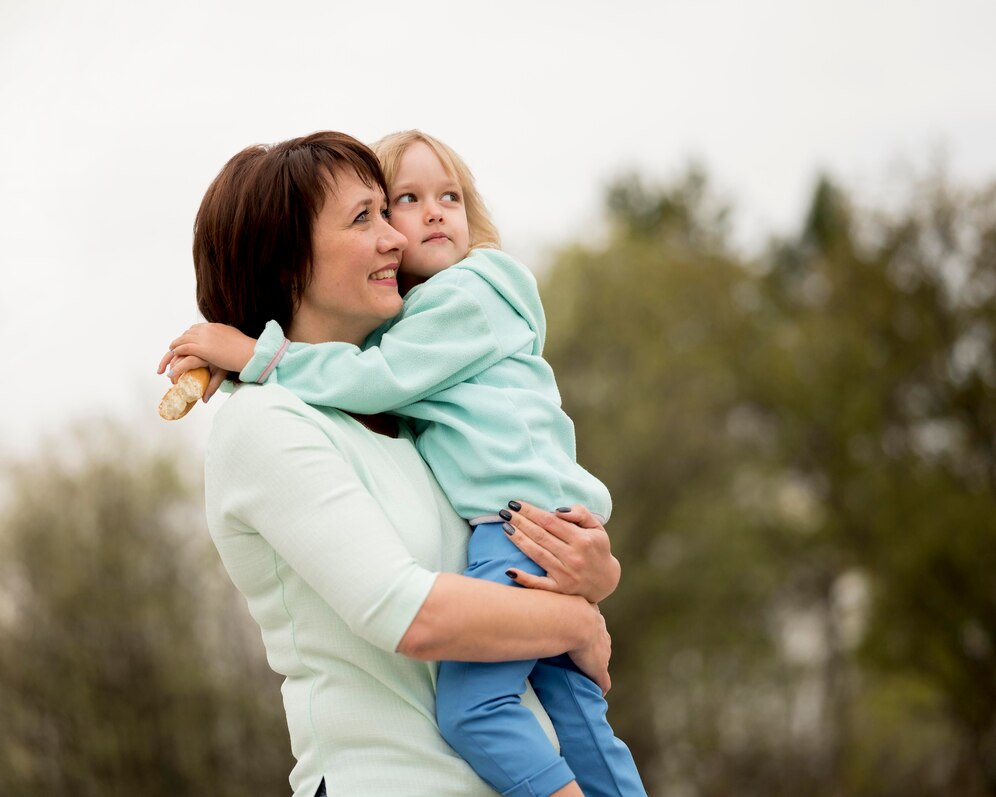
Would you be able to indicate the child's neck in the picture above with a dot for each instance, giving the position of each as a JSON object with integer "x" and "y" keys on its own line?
{"x": 408, "y": 281}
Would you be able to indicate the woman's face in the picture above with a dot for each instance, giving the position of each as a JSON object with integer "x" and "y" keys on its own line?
{"x": 354, "y": 286}
{"x": 427, "y": 206}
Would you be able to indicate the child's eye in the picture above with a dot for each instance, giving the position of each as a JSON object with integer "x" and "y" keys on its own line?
{"x": 451, "y": 196}
{"x": 406, "y": 198}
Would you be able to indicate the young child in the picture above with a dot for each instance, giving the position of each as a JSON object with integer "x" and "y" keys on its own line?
{"x": 464, "y": 363}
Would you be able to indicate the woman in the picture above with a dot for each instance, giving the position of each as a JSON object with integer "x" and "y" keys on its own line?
{"x": 332, "y": 526}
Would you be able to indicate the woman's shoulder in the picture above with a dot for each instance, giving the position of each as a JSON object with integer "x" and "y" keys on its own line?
{"x": 269, "y": 416}
{"x": 256, "y": 415}
{"x": 249, "y": 401}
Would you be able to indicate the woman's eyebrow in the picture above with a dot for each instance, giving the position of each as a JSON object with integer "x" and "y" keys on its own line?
{"x": 360, "y": 204}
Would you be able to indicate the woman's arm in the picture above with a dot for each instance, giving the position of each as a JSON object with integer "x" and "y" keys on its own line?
{"x": 273, "y": 470}
{"x": 467, "y": 619}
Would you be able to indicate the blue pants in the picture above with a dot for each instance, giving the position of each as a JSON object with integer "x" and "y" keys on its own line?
{"x": 480, "y": 714}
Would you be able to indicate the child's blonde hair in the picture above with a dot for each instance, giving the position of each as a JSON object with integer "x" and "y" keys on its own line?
{"x": 390, "y": 149}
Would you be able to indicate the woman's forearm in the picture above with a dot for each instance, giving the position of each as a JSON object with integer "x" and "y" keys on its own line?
{"x": 466, "y": 619}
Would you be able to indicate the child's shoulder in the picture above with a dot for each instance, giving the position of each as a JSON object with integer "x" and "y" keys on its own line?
{"x": 490, "y": 280}
{"x": 488, "y": 269}
{"x": 486, "y": 260}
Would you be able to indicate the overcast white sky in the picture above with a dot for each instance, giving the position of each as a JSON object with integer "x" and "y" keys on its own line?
{"x": 116, "y": 116}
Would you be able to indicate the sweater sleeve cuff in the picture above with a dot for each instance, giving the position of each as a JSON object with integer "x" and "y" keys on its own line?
{"x": 388, "y": 621}
{"x": 267, "y": 353}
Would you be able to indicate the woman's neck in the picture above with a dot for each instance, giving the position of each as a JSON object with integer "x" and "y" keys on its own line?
{"x": 309, "y": 327}
{"x": 306, "y": 327}
{"x": 384, "y": 424}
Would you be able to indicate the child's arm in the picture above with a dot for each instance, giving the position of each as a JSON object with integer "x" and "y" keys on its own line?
{"x": 445, "y": 336}
{"x": 218, "y": 345}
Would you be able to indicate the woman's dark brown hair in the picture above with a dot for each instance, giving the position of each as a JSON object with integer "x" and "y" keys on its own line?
{"x": 252, "y": 236}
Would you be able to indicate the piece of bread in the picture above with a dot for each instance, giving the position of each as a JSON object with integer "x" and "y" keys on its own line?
{"x": 184, "y": 394}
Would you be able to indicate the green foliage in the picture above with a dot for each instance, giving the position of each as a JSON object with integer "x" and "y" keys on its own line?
{"x": 801, "y": 449}
{"x": 801, "y": 454}
{"x": 124, "y": 667}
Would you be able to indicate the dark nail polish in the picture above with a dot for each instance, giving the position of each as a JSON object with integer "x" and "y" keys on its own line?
{"x": 504, "y": 514}
{"x": 515, "y": 506}
{"x": 511, "y": 574}
{"x": 508, "y": 528}
{"x": 563, "y": 509}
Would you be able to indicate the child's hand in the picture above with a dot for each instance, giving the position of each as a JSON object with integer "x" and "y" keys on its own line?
{"x": 218, "y": 344}
{"x": 176, "y": 366}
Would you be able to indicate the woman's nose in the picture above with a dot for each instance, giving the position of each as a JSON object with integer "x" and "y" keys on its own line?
{"x": 390, "y": 239}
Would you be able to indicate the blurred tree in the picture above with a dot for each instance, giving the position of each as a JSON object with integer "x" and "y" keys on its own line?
{"x": 800, "y": 450}
{"x": 889, "y": 324}
{"x": 646, "y": 336}
{"x": 126, "y": 665}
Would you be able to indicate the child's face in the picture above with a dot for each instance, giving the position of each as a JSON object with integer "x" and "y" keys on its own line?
{"x": 427, "y": 208}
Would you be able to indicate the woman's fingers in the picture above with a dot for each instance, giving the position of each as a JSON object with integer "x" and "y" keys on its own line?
{"x": 531, "y": 535}
{"x": 545, "y": 549}
{"x": 571, "y": 545}
{"x": 558, "y": 578}
{"x": 531, "y": 581}
{"x": 580, "y": 515}
{"x": 546, "y": 528}
{"x": 593, "y": 659}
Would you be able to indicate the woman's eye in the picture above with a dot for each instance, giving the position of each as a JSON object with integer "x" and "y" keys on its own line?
{"x": 364, "y": 216}
{"x": 385, "y": 212}
{"x": 405, "y": 198}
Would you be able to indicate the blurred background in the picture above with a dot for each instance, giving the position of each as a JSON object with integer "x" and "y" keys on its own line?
{"x": 765, "y": 233}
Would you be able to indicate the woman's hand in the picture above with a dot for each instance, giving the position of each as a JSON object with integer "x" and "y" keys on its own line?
{"x": 593, "y": 659}
{"x": 572, "y": 546}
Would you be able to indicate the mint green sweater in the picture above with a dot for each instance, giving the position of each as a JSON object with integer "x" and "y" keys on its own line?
{"x": 464, "y": 362}
{"x": 335, "y": 535}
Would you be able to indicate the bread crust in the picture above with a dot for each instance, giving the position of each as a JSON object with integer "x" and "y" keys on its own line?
{"x": 182, "y": 396}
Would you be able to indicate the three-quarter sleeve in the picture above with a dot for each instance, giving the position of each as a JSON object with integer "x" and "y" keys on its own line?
{"x": 273, "y": 470}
